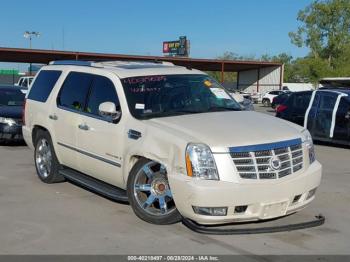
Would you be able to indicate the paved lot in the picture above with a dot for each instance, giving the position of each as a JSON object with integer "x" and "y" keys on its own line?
{"x": 36, "y": 218}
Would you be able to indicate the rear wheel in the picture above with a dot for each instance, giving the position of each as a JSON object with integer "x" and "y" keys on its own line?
{"x": 150, "y": 194}
{"x": 266, "y": 102}
{"x": 46, "y": 163}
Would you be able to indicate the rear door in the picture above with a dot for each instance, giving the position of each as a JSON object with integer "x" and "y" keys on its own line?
{"x": 342, "y": 124}
{"x": 101, "y": 141}
{"x": 67, "y": 116}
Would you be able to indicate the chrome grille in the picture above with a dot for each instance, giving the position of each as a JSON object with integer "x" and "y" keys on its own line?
{"x": 254, "y": 162}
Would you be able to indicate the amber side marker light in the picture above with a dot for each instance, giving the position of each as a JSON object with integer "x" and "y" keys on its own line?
{"x": 188, "y": 165}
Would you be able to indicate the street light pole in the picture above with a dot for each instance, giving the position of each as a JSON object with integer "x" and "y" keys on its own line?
{"x": 29, "y": 35}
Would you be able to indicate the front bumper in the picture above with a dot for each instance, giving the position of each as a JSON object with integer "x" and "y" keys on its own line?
{"x": 11, "y": 133}
{"x": 264, "y": 199}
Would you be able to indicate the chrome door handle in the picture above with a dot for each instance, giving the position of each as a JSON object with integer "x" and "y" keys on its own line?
{"x": 84, "y": 127}
{"x": 53, "y": 117}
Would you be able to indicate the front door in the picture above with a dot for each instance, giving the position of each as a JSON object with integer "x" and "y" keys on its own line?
{"x": 100, "y": 140}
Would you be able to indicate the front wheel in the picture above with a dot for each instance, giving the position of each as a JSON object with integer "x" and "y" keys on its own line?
{"x": 150, "y": 194}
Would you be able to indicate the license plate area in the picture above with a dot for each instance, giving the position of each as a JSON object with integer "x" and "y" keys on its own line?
{"x": 274, "y": 210}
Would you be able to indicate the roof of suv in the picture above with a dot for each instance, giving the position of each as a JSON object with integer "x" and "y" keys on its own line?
{"x": 337, "y": 90}
{"x": 129, "y": 69}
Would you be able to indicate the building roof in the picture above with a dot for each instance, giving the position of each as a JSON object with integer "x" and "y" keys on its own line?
{"x": 23, "y": 55}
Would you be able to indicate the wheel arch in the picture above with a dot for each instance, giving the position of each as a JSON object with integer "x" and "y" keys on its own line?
{"x": 132, "y": 159}
{"x": 36, "y": 128}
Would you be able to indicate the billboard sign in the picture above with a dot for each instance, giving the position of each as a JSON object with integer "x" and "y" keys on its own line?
{"x": 176, "y": 48}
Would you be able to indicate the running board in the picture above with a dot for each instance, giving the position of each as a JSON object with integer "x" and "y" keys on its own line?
{"x": 98, "y": 186}
{"x": 318, "y": 221}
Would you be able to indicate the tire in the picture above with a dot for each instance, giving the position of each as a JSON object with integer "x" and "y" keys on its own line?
{"x": 150, "y": 195}
{"x": 266, "y": 102}
{"x": 45, "y": 159}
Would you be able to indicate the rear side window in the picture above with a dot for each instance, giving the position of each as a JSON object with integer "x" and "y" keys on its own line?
{"x": 74, "y": 91}
{"x": 301, "y": 101}
{"x": 43, "y": 85}
{"x": 102, "y": 91}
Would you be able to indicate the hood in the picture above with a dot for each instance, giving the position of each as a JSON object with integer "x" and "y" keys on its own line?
{"x": 221, "y": 130}
{"x": 11, "y": 111}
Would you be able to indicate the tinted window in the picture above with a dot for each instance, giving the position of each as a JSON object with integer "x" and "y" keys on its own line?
{"x": 43, "y": 85}
{"x": 273, "y": 93}
{"x": 301, "y": 101}
{"x": 102, "y": 91}
{"x": 74, "y": 91}
{"x": 328, "y": 101}
{"x": 344, "y": 106}
{"x": 324, "y": 114}
{"x": 11, "y": 98}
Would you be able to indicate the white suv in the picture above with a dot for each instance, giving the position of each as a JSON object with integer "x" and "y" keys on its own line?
{"x": 167, "y": 139}
{"x": 269, "y": 96}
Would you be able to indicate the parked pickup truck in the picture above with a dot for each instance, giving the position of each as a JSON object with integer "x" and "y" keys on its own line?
{"x": 169, "y": 140}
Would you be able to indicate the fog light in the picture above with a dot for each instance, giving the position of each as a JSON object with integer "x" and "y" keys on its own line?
{"x": 210, "y": 211}
{"x": 311, "y": 193}
{"x": 240, "y": 209}
{"x": 296, "y": 199}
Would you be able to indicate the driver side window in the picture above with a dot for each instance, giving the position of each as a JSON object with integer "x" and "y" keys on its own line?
{"x": 102, "y": 90}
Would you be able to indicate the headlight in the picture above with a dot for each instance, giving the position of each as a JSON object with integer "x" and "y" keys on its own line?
{"x": 200, "y": 162}
{"x": 7, "y": 121}
{"x": 307, "y": 140}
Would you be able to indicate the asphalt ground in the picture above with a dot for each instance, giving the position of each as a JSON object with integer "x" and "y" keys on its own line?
{"x": 36, "y": 218}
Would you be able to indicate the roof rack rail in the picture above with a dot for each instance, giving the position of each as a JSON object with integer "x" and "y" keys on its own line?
{"x": 72, "y": 62}
{"x": 107, "y": 63}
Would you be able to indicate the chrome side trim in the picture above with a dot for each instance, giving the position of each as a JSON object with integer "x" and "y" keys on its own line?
{"x": 90, "y": 155}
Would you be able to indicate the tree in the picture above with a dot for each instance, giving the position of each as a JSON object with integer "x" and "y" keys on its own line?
{"x": 325, "y": 29}
{"x": 228, "y": 76}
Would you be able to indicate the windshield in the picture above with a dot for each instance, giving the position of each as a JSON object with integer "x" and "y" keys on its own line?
{"x": 11, "y": 98}
{"x": 168, "y": 95}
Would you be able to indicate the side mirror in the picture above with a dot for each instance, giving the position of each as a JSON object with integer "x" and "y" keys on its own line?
{"x": 108, "y": 111}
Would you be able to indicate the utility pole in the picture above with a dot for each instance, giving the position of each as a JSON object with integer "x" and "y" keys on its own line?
{"x": 29, "y": 35}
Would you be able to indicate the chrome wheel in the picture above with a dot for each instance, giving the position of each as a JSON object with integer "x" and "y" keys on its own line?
{"x": 152, "y": 191}
{"x": 43, "y": 158}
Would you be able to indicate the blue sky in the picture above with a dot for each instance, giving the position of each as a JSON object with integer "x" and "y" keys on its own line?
{"x": 246, "y": 27}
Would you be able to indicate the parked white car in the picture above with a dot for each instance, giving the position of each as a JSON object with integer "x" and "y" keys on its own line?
{"x": 269, "y": 96}
{"x": 245, "y": 103}
{"x": 169, "y": 140}
{"x": 25, "y": 81}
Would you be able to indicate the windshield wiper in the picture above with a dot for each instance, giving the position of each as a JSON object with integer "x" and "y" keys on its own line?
{"x": 221, "y": 108}
{"x": 168, "y": 113}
